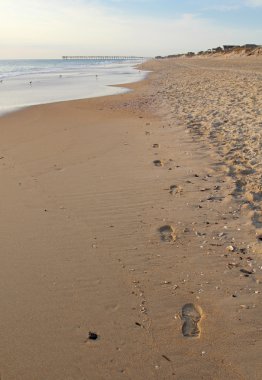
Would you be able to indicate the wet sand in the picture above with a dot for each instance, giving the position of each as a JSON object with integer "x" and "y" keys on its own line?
{"x": 123, "y": 216}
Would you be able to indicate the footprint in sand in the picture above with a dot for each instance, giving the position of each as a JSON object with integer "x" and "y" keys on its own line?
{"x": 167, "y": 233}
{"x": 155, "y": 145}
{"x": 257, "y": 219}
{"x": 158, "y": 163}
{"x": 191, "y": 316}
{"x": 174, "y": 189}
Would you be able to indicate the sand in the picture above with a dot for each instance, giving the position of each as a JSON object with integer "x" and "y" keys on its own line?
{"x": 137, "y": 218}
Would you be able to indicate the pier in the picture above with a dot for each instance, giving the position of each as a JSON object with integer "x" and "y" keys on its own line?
{"x": 102, "y": 57}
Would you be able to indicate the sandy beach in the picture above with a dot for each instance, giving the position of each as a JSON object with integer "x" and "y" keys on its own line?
{"x": 136, "y": 218}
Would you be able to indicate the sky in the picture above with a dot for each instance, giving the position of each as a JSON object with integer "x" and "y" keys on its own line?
{"x": 52, "y": 28}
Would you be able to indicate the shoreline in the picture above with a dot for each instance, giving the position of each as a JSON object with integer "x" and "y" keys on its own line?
{"x": 117, "y": 212}
{"x": 48, "y": 87}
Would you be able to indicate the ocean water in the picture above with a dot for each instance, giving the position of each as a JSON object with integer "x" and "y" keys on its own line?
{"x": 29, "y": 82}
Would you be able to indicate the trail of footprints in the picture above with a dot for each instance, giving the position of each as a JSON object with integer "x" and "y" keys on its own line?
{"x": 191, "y": 314}
{"x": 218, "y": 124}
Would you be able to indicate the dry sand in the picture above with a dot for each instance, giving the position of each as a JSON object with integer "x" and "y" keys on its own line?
{"x": 136, "y": 217}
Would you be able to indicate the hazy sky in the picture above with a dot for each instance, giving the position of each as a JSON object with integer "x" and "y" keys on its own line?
{"x": 52, "y": 28}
